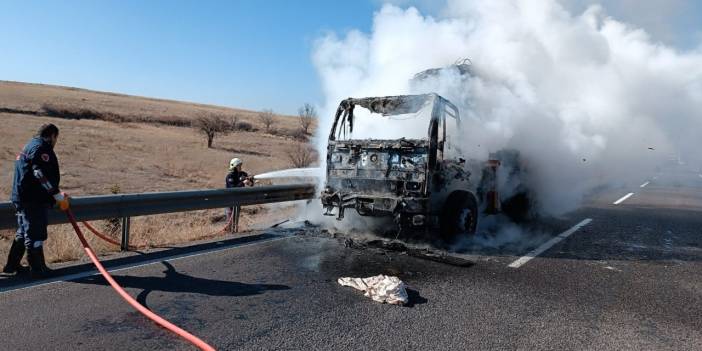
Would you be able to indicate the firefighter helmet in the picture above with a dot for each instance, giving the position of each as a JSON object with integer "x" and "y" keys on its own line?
{"x": 234, "y": 163}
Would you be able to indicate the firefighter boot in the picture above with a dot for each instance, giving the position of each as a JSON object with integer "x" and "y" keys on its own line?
{"x": 14, "y": 258}
{"x": 37, "y": 265}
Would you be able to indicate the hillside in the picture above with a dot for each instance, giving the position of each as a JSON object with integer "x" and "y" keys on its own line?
{"x": 32, "y": 98}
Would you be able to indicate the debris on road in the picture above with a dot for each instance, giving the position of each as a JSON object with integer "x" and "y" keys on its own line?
{"x": 380, "y": 288}
{"x": 423, "y": 253}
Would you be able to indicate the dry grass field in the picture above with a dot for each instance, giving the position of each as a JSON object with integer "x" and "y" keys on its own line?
{"x": 97, "y": 156}
{"x": 32, "y": 97}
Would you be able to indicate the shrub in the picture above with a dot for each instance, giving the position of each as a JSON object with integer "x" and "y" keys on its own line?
{"x": 302, "y": 155}
{"x": 299, "y": 135}
{"x": 245, "y": 127}
{"x": 296, "y": 134}
{"x": 234, "y": 122}
{"x": 71, "y": 112}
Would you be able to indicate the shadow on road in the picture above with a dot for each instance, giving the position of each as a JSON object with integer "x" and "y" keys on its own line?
{"x": 414, "y": 298}
{"x": 177, "y": 282}
{"x": 135, "y": 258}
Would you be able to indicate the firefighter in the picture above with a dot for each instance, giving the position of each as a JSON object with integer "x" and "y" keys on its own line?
{"x": 34, "y": 191}
{"x": 236, "y": 178}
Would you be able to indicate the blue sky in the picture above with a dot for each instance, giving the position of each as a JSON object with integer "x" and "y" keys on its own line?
{"x": 250, "y": 54}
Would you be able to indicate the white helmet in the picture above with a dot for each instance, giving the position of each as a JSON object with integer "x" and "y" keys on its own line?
{"x": 234, "y": 162}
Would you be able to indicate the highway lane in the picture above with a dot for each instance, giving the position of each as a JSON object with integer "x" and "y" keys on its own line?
{"x": 628, "y": 280}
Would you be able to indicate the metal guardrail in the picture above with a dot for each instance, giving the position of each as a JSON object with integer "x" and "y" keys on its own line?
{"x": 88, "y": 208}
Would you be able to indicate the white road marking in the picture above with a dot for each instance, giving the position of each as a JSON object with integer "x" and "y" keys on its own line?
{"x": 547, "y": 245}
{"x": 623, "y": 198}
{"x": 644, "y": 184}
{"x": 92, "y": 272}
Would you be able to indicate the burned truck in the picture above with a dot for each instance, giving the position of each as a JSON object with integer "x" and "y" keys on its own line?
{"x": 392, "y": 156}
{"x": 399, "y": 157}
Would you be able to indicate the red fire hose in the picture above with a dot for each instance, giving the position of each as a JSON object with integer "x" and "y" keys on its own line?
{"x": 103, "y": 236}
{"x": 145, "y": 311}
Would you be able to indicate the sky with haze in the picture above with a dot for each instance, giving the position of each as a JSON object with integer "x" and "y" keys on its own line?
{"x": 248, "y": 54}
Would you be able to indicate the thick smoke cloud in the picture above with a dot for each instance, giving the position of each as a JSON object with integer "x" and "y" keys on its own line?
{"x": 583, "y": 96}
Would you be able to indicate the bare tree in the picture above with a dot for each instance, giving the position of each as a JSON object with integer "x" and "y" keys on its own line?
{"x": 307, "y": 115}
{"x": 234, "y": 122}
{"x": 266, "y": 117}
{"x": 210, "y": 124}
{"x": 302, "y": 155}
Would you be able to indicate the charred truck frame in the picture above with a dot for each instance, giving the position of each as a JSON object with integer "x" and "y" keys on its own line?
{"x": 421, "y": 183}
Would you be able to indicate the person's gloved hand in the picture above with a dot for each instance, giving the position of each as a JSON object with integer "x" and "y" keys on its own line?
{"x": 62, "y": 201}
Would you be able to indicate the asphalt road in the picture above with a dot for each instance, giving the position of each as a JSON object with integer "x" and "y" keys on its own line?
{"x": 630, "y": 279}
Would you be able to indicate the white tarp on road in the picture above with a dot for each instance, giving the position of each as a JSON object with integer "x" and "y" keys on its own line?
{"x": 381, "y": 288}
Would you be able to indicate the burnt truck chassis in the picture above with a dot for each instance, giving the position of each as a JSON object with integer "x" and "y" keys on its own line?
{"x": 411, "y": 180}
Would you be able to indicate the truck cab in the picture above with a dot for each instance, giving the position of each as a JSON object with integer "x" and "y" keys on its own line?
{"x": 399, "y": 157}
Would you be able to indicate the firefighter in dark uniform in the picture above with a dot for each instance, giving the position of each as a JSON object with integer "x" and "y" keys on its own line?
{"x": 236, "y": 178}
{"x": 34, "y": 192}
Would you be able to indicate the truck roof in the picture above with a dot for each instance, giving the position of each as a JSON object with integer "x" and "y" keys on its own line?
{"x": 393, "y": 105}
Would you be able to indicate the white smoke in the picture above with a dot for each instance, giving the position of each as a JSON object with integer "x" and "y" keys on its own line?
{"x": 582, "y": 96}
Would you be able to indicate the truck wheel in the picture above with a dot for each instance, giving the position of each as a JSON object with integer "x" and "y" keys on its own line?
{"x": 459, "y": 217}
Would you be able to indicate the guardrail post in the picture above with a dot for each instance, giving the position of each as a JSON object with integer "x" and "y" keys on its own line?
{"x": 124, "y": 246}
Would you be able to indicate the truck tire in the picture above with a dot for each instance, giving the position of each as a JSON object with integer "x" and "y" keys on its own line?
{"x": 459, "y": 216}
